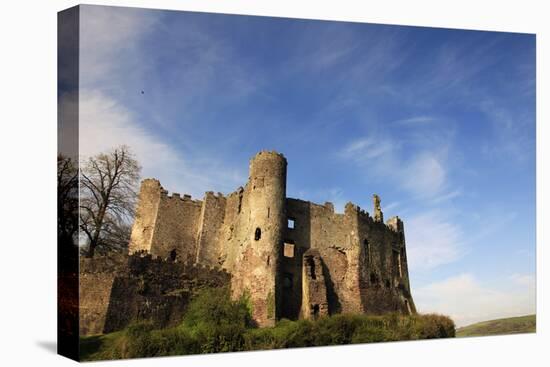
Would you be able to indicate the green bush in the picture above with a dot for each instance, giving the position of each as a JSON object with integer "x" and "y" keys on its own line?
{"x": 348, "y": 329}
{"x": 214, "y": 306}
{"x": 217, "y": 323}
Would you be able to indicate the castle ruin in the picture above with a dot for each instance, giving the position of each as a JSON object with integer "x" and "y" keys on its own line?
{"x": 292, "y": 258}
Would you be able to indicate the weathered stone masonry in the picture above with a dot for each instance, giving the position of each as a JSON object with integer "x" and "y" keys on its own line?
{"x": 293, "y": 258}
{"x": 118, "y": 290}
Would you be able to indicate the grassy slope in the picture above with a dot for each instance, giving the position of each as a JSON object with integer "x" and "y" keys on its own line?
{"x": 137, "y": 341}
{"x": 512, "y": 325}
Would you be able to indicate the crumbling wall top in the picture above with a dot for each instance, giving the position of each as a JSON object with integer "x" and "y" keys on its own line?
{"x": 268, "y": 154}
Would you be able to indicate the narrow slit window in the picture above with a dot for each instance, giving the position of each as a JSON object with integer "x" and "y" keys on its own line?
{"x": 367, "y": 250}
{"x": 257, "y": 234}
{"x": 311, "y": 266}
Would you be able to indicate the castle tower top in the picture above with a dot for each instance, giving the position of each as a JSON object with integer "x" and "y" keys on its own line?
{"x": 268, "y": 164}
{"x": 267, "y": 154}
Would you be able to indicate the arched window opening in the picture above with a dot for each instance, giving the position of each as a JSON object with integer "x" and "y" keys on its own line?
{"x": 257, "y": 234}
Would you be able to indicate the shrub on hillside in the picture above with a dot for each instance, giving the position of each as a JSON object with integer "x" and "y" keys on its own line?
{"x": 217, "y": 323}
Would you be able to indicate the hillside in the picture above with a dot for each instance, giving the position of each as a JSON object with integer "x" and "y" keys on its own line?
{"x": 214, "y": 323}
{"x": 512, "y": 325}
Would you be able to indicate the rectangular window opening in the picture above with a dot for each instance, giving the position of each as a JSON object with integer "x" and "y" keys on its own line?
{"x": 291, "y": 223}
{"x": 288, "y": 250}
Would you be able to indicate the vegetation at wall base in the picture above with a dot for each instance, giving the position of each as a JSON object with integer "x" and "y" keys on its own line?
{"x": 213, "y": 323}
{"x": 511, "y": 325}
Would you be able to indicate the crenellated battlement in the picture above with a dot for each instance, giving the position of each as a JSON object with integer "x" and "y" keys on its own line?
{"x": 178, "y": 196}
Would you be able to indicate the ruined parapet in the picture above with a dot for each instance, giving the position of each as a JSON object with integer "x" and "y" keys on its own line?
{"x": 378, "y": 215}
{"x": 314, "y": 290}
{"x": 329, "y": 206}
{"x": 176, "y": 227}
{"x": 146, "y": 214}
{"x": 210, "y": 223}
{"x": 395, "y": 224}
{"x": 400, "y": 264}
{"x": 258, "y": 261}
{"x": 165, "y": 225}
{"x": 351, "y": 209}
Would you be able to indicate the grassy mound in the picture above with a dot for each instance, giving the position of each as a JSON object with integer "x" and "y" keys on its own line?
{"x": 512, "y": 325}
{"x": 213, "y": 323}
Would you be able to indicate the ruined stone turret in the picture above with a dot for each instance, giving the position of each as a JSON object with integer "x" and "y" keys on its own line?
{"x": 141, "y": 238}
{"x": 257, "y": 273}
{"x": 378, "y": 215}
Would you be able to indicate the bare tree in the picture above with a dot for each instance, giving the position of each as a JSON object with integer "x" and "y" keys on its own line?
{"x": 108, "y": 195}
{"x": 67, "y": 211}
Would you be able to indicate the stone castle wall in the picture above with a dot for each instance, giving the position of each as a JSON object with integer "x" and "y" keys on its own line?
{"x": 363, "y": 260}
{"x": 118, "y": 290}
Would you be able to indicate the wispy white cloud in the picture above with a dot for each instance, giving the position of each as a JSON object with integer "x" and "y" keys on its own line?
{"x": 416, "y": 120}
{"x": 447, "y": 196}
{"x": 423, "y": 174}
{"x": 187, "y": 69}
{"x": 432, "y": 241}
{"x": 466, "y": 300}
{"x": 109, "y": 33}
{"x": 365, "y": 149}
{"x": 113, "y": 56}
{"x": 335, "y": 195}
{"x": 513, "y": 133}
{"x": 105, "y": 124}
{"x": 392, "y": 206}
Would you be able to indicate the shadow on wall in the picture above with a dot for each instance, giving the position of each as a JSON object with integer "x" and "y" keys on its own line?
{"x": 334, "y": 305}
{"x": 298, "y": 236}
{"x": 296, "y": 242}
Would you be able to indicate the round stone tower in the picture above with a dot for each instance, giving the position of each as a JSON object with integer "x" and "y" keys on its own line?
{"x": 259, "y": 260}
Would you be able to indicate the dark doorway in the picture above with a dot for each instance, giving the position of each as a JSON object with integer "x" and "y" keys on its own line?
{"x": 173, "y": 255}
{"x": 315, "y": 311}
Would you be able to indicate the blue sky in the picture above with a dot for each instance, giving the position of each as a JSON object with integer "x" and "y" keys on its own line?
{"x": 440, "y": 123}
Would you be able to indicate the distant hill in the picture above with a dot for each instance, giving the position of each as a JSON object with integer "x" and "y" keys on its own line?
{"x": 511, "y": 325}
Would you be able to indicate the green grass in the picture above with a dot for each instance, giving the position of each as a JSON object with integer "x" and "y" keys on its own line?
{"x": 213, "y": 323}
{"x": 512, "y": 325}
